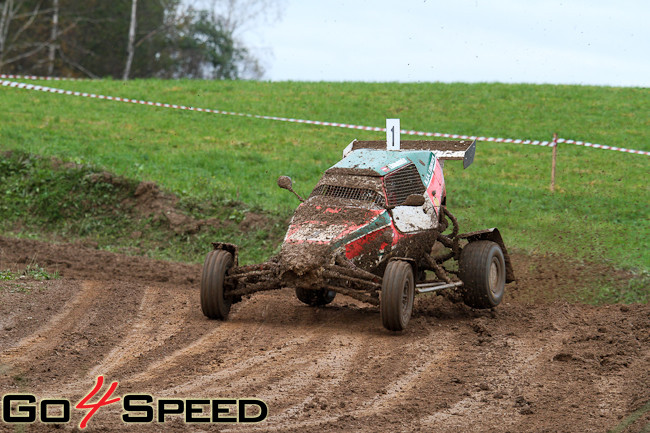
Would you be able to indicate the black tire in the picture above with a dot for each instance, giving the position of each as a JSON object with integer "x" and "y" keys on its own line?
{"x": 315, "y": 298}
{"x": 397, "y": 293}
{"x": 213, "y": 302}
{"x": 482, "y": 270}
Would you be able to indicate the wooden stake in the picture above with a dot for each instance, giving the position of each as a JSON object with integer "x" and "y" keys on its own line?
{"x": 553, "y": 163}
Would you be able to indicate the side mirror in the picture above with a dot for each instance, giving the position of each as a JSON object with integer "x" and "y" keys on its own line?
{"x": 285, "y": 182}
{"x": 414, "y": 200}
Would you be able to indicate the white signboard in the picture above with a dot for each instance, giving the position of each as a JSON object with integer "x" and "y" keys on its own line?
{"x": 392, "y": 134}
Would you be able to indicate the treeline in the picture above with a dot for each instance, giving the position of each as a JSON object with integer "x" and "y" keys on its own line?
{"x": 125, "y": 39}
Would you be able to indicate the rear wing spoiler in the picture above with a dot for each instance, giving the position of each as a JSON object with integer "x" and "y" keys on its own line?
{"x": 451, "y": 149}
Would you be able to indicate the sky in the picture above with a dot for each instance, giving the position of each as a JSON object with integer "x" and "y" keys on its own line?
{"x": 589, "y": 42}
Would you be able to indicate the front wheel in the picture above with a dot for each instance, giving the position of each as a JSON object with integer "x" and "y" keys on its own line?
{"x": 315, "y": 298}
{"x": 482, "y": 269}
{"x": 397, "y": 294}
{"x": 213, "y": 302}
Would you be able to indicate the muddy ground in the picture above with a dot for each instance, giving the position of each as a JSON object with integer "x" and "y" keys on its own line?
{"x": 532, "y": 364}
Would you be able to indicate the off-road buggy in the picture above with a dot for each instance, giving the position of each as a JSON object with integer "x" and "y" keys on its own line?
{"x": 371, "y": 229}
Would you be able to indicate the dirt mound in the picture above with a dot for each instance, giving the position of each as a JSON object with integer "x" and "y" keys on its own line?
{"x": 79, "y": 261}
{"x": 546, "y": 366}
{"x": 148, "y": 200}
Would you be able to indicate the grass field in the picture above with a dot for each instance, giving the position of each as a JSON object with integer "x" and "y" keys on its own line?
{"x": 599, "y": 211}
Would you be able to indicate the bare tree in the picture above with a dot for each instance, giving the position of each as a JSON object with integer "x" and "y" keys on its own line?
{"x": 15, "y": 41}
{"x": 130, "y": 46}
{"x": 53, "y": 37}
{"x": 9, "y": 10}
{"x": 5, "y": 19}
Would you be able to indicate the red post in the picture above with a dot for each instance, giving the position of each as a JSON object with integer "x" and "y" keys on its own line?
{"x": 554, "y": 144}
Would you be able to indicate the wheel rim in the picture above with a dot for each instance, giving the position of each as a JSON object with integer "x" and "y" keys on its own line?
{"x": 406, "y": 294}
{"x": 494, "y": 277}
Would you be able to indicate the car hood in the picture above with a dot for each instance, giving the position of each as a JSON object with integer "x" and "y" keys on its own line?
{"x": 317, "y": 229}
{"x": 334, "y": 224}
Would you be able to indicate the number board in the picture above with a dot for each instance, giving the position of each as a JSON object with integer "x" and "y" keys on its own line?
{"x": 392, "y": 134}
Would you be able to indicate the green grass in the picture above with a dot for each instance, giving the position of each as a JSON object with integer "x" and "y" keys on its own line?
{"x": 599, "y": 210}
{"x": 19, "y": 282}
{"x": 7, "y": 275}
{"x": 36, "y": 272}
{"x": 41, "y": 197}
{"x": 636, "y": 291}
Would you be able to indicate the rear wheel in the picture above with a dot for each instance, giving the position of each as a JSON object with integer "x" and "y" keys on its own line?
{"x": 483, "y": 272}
{"x": 213, "y": 302}
{"x": 315, "y": 298}
{"x": 397, "y": 293}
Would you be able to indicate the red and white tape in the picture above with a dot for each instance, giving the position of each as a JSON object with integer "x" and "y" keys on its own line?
{"x": 7, "y": 83}
{"x": 38, "y": 77}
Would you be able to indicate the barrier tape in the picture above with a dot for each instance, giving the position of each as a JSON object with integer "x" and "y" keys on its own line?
{"x": 36, "y": 77}
{"x": 552, "y": 143}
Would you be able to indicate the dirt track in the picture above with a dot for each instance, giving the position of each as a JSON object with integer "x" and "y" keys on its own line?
{"x": 529, "y": 365}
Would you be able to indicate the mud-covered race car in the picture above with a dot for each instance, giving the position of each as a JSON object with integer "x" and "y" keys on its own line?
{"x": 373, "y": 226}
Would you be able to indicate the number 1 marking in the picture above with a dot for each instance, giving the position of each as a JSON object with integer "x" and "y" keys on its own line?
{"x": 392, "y": 134}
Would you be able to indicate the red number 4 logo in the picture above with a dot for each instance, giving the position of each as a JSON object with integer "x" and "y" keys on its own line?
{"x": 94, "y": 407}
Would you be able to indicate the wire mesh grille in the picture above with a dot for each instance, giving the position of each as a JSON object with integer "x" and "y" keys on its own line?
{"x": 361, "y": 194}
{"x": 401, "y": 184}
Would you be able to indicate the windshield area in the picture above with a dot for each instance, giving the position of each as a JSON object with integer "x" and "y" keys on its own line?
{"x": 352, "y": 187}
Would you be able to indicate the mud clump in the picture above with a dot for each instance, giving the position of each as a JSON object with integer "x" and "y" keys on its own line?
{"x": 564, "y": 357}
{"x": 302, "y": 258}
{"x": 525, "y": 407}
{"x": 147, "y": 190}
